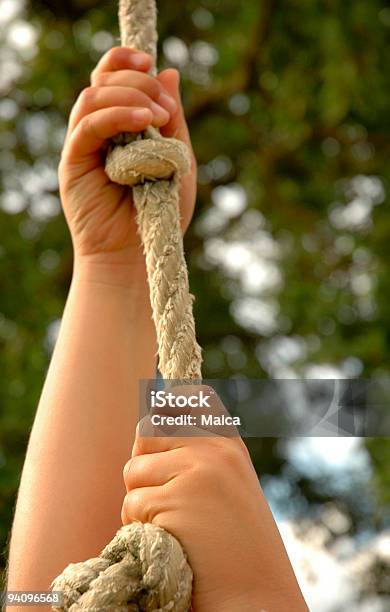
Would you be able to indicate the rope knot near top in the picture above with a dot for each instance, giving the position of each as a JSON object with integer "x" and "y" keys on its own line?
{"x": 147, "y": 159}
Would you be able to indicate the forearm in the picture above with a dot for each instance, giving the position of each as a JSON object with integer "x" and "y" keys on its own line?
{"x": 72, "y": 489}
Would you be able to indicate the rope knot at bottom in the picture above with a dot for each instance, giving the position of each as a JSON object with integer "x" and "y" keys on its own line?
{"x": 143, "y": 569}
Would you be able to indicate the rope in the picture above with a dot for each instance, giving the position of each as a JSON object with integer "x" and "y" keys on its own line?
{"x": 144, "y": 567}
{"x": 152, "y": 165}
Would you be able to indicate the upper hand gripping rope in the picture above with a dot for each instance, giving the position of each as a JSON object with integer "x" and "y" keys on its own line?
{"x": 144, "y": 567}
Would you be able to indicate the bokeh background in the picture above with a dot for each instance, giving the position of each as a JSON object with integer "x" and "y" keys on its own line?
{"x": 288, "y": 106}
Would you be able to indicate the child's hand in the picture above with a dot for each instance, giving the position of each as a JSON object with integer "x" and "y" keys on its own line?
{"x": 205, "y": 491}
{"x": 122, "y": 98}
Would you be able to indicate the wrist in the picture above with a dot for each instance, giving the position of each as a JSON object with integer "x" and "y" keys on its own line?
{"x": 123, "y": 284}
{"x": 111, "y": 271}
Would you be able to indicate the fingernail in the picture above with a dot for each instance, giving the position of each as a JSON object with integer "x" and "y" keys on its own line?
{"x": 142, "y": 114}
{"x": 159, "y": 112}
{"x": 139, "y": 60}
{"x": 167, "y": 102}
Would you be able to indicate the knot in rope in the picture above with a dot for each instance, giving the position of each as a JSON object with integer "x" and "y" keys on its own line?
{"x": 148, "y": 157}
{"x": 142, "y": 569}
{"x": 153, "y": 165}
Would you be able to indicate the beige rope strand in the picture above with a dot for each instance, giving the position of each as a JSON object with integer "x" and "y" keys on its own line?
{"x": 144, "y": 162}
{"x": 144, "y": 567}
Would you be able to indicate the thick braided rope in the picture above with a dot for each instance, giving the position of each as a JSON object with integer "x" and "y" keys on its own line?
{"x": 144, "y": 567}
{"x": 143, "y": 163}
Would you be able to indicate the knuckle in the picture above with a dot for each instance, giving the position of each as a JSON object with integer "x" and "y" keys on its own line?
{"x": 131, "y": 508}
{"x": 207, "y": 390}
{"x": 145, "y": 441}
{"x": 126, "y": 471}
{"x": 113, "y": 53}
{"x": 154, "y": 86}
{"x": 204, "y": 477}
{"x": 88, "y": 96}
{"x": 135, "y": 471}
{"x": 134, "y": 498}
{"x": 85, "y": 125}
{"x": 136, "y": 96}
{"x": 124, "y": 518}
{"x": 139, "y": 506}
{"x": 203, "y": 471}
{"x": 115, "y": 120}
{"x": 220, "y": 457}
{"x": 146, "y": 83}
{"x": 100, "y": 79}
{"x": 231, "y": 455}
{"x": 229, "y": 450}
{"x": 224, "y": 453}
{"x": 94, "y": 74}
{"x": 132, "y": 504}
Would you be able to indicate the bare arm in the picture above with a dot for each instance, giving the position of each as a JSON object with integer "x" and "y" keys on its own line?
{"x": 204, "y": 490}
{"x": 71, "y": 492}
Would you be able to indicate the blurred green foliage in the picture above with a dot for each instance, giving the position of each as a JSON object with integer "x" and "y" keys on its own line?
{"x": 288, "y": 107}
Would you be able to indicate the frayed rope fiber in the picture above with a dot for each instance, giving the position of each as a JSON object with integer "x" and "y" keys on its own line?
{"x": 144, "y": 568}
{"x": 153, "y": 165}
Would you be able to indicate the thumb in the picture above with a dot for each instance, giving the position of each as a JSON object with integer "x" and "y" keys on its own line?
{"x": 177, "y": 126}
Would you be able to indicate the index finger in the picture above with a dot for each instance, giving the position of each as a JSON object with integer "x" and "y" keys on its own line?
{"x": 94, "y": 129}
{"x": 122, "y": 58}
